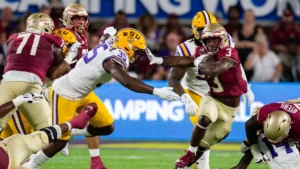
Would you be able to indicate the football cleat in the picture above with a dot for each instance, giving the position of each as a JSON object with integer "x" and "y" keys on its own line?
{"x": 84, "y": 116}
{"x": 96, "y": 163}
{"x": 65, "y": 150}
{"x": 185, "y": 160}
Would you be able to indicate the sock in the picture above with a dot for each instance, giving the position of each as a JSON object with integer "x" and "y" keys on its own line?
{"x": 193, "y": 149}
{"x": 70, "y": 126}
{"x": 39, "y": 159}
{"x": 203, "y": 161}
{"x": 94, "y": 152}
{"x": 80, "y": 132}
{"x": 58, "y": 131}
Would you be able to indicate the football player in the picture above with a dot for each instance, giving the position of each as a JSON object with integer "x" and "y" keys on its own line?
{"x": 189, "y": 82}
{"x": 221, "y": 68}
{"x": 15, "y": 149}
{"x": 96, "y": 68}
{"x": 76, "y": 19}
{"x": 18, "y": 124}
{"x": 279, "y": 122}
{"x": 41, "y": 56}
{"x": 284, "y": 155}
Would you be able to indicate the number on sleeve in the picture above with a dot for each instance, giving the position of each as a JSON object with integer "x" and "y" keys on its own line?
{"x": 88, "y": 57}
{"x": 288, "y": 149}
{"x": 229, "y": 52}
{"x": 215, "y": 84}
{"x": 34, "y": 46}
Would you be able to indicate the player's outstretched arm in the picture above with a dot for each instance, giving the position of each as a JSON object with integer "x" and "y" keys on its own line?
{"x": 26, "y": 98}
{"x": 120, "y": 74}
{"x": 245, "y": 161}
{"x": 175, "y": 75}
{"x": 215, "y": 68}
{"x": 252, "y": 126}
{"x": 172, "y": 61}
{"x": 62, "y": 65}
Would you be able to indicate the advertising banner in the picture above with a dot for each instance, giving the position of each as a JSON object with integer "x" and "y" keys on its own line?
{"x": 266, "y": 10}
{"x": 146, "y": 117}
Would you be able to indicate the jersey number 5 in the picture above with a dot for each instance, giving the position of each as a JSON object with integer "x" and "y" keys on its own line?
{"x": 25, "y": 37}
{"x": 88, "y": 57}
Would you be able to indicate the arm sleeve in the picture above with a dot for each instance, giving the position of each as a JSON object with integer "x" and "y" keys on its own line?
{"x": 230, "y": 53}
{"x": 56, "y": 40}
{"x": 120, "y": 58}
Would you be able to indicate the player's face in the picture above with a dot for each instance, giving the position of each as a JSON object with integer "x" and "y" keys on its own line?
{"x": 138, "y": 53}
{"x": 79, "y": 23}
{"x": 212, "y": 44}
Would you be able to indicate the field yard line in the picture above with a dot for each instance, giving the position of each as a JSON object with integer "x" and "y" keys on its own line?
{"x": 159, "y": 145}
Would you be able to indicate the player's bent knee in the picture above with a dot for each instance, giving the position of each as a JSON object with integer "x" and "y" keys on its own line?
{"x": 51, "y": 133}
{"x": 204, "y": 121}
{"x": 100, "y": 131}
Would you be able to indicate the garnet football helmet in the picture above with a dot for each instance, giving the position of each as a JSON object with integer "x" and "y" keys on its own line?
{"x": 215, "y": 31}
{"x": 75, "y": 10}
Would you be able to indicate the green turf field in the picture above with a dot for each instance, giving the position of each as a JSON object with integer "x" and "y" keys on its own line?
{"x": 145, "y": 156}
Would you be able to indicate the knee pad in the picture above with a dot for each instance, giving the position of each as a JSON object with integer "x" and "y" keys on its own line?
{"x": 51, "y": 133}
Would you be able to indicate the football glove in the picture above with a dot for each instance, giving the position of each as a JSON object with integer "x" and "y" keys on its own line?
{"x": 191, "y": 107}
{"x": 258, "y": 157}
{"x": 248, "y": 96}
{"x": 110, "y": 30}
{"x": 165, "y": 93}
{"x": 71, "y": 57}
{"x": 153, "y": 59}
{"x": 245, "y": 147}
{"x": 27, "y": 98}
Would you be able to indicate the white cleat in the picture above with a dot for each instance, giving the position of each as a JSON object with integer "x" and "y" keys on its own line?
{"x": 65, "y": 150}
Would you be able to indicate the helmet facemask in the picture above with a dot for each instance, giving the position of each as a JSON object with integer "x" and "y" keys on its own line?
{"x": 80, "y": 23}
{"x": 211, "y": 45}
{"x": 213, "y": 33}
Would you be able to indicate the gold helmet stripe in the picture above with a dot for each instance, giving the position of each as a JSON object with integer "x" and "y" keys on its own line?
{"x": 206, "y": 17}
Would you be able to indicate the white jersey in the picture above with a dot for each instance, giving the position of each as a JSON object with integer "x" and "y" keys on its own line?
{"x": 89, "y": 73}
{"x": 194, "y": 79}
{"x": 284, "y": 156}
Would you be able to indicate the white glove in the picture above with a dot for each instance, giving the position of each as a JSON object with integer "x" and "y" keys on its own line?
{"x": 72, "y": 53}
{"x": 199, "y": 59}
{"x": 165, "y": 93}
{"x": 110, "y": 30}
{"x": 249, "y": 95}
{"x": 245, "y": 147}
{"x": 153, "y": 59}
{"x": 258, "y": 157}
{"x": 27, "y": 98}
{"x": 190, "y": 106}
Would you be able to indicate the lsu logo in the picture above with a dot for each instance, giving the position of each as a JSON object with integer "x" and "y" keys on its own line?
{"x": 131, "y": 36}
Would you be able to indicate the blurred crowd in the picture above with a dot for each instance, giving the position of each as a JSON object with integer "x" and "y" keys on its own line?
{"x": 268, "y": 54}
